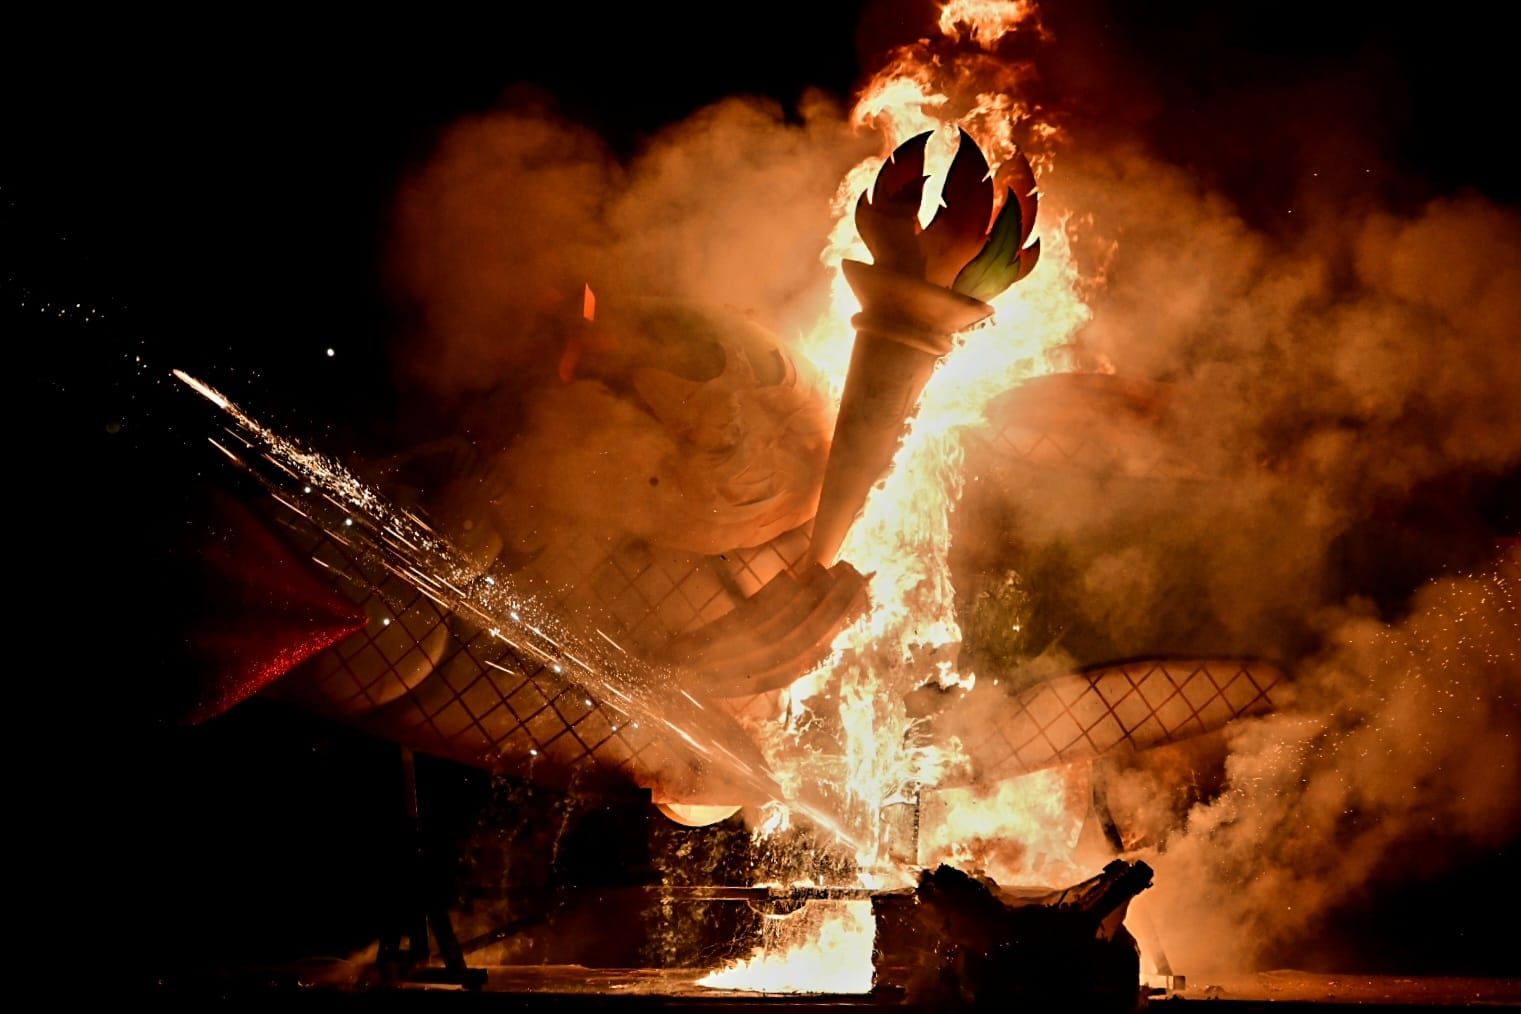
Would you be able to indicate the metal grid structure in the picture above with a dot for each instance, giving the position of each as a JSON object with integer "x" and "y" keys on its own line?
{"x": 433, "y": 680}
{"x": 1126, "y": 706}
{"x": 653, "y": 594}
{"x": 1014, "y": 437}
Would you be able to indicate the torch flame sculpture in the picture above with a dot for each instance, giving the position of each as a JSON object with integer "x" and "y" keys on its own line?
{"x": 923, "y": 287}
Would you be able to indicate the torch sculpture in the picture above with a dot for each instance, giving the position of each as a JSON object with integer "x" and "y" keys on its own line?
{"x": 924, "y": 286}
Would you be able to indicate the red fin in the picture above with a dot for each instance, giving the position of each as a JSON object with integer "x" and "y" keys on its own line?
{"x": 901, "y": 178}
{"x": 267, "y": 611}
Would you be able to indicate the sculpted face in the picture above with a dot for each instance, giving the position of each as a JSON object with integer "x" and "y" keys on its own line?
{"x": 685, "y": 426}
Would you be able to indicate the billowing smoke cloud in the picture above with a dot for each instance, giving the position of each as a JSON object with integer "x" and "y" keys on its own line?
{"x": 1366, "y": 352}
{"x": 1405, "y": 751}
{"x": 719, "y": 216}
{"x": 498, "y": 228}
{"x": 517, "y": 209}
{"x": 1323, "y": 377}
{"x": 1314, "y": 380}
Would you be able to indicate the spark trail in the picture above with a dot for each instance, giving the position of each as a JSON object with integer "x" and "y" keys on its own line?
{"x": 325, "y": 493}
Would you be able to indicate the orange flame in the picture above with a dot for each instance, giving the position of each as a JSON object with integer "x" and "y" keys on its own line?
{"x": 817, "y": 949}
{"x": 988, "y": 21}
{"x": 1023, "y": 832}
{"x": 903, "y": 537}
{"x": 910, "y": 635}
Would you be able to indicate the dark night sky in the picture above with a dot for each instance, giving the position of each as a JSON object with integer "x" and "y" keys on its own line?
{"x": 216, "y": 192}
{"x": 226, "y": 195}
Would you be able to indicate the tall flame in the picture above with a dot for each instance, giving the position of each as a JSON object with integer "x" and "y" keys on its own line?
{"x": 903, "y": 537}
{"x": 987, "y": 21}
{"x": 910, "y": 635}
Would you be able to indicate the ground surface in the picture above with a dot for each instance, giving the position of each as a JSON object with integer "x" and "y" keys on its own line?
{"x": 573, "y": 987}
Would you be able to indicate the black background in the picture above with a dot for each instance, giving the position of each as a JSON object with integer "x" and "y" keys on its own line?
{"x": 213, "y": 193}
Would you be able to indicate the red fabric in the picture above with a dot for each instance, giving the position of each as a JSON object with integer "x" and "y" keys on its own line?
{"x": 267, "y": 611}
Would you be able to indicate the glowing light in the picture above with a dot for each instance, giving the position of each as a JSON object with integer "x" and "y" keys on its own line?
{"x": 823, "y": 947}
{"x": 211, "y": 394}
{"x": 331, "y": 353}
{"x": 910, "y": 635}
{"x": 1021, "y": 831}
{"x": 987, "y": 21}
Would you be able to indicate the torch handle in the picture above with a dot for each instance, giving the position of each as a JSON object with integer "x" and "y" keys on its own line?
{"x": 905, "y": 326}
{"x": 882, "y": 388}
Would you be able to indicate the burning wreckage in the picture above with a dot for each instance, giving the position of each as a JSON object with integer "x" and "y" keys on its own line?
{"x": 730, "y": 625}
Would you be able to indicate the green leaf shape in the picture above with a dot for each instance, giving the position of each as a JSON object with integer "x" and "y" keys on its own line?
{"x": 1001, "y": 262}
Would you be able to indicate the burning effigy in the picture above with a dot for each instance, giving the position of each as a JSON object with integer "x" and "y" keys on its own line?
{"x": 651, "y": 636}
{"x": 689, "y": 557}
